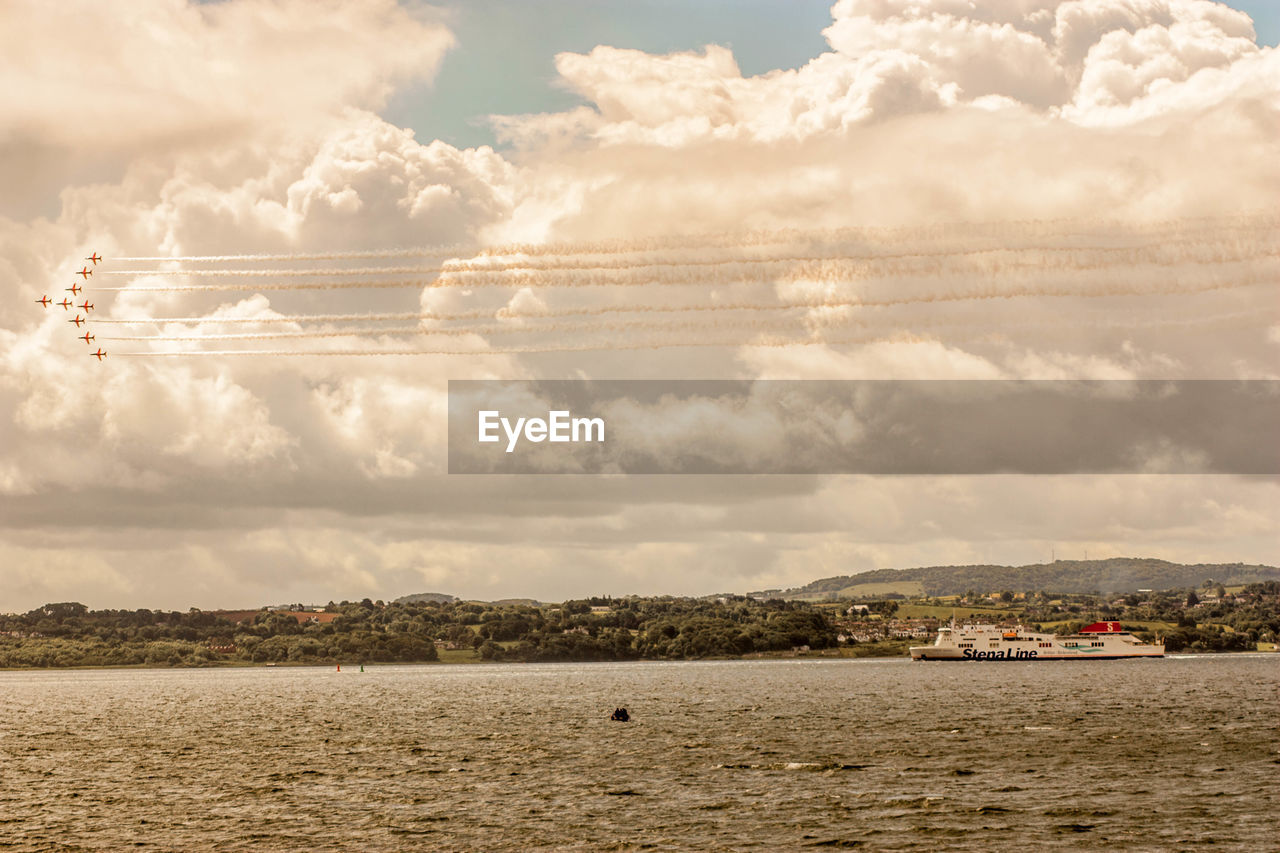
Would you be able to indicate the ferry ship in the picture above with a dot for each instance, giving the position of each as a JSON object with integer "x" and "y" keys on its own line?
{"x": 1099, "y": 641}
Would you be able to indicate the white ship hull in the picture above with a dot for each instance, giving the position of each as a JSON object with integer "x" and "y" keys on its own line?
{"x": 1100, "y": 641}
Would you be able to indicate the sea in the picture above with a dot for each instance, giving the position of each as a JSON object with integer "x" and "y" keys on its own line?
{"x": 1179, "y": 753}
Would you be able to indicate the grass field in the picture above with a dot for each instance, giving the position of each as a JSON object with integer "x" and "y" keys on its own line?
{"x": 868, "y": 590}
{"x": 863, "y": 590}
{"x": 963, "y": 612}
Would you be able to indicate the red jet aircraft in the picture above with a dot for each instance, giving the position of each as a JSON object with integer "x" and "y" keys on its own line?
{"x": 99, "y": 353}
{"x": 44, "y": 300}
{"x": 86, "y": 272}
{"x": 86, "y": 305}
{"x": 75, "y": 288}
{"x": 78, "y": 320}
{"x": 95, "y": 257}
{"x": 87, "y": 337}
{"x": 66, "y": 303}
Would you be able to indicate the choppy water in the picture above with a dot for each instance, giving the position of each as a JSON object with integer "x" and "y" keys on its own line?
{"x": 768, "y": 755}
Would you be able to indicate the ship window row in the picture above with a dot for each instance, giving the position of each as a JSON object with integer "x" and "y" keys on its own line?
{"x": 1097, "y": 644}
{"x": 1046, "y": 645}
{"x": 966, "y": 645}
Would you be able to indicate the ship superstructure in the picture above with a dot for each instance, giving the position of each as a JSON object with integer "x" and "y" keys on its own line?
{"x": 1099, "y": 641}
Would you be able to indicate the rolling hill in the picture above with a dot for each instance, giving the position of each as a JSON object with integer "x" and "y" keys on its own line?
{"x": 1117, "y": 574}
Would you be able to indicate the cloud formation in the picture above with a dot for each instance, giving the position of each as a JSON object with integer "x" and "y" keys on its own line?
{"x": 92, "y": 87}
{"x": 928, "y": 111}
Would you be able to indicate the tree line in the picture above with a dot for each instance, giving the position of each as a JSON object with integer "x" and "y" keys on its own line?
{"x": 70, "y": 634}
{"x": 592, "y": 629}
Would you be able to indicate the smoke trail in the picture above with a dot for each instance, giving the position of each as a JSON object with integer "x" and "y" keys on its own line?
{"x": 827, "y": 270}
{"x": 281, "y": 273}
{"x": 548, "y": 328}
{"x": 383, "y": 284}
{"x": 816, "y": 302}
{"x": 522, "y": 350}
{"x": 1132, "y": 254}
{"x": 295, "y": 318}
{"x": 1002, "y": 230}
{"x": 441, "y": 252}
{"x": 812, "y": 325}
{"x": 1103, "y": 229}
{"x": 615, "y": 345}
{"x": 738, "y": 272}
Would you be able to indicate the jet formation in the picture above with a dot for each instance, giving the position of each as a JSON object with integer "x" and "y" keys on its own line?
{"x": 86, "y": 306}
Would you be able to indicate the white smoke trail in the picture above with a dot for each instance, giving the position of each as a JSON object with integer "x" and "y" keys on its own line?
{"x": 297, "y": 318}
{"x": 282, "y": 273}
{"x": 1131, "y": 254}
{"x": 441, "y": 252}
{"x": 465, "y": 331}
{"x": 814, "y": 326}
{"x": 1170, "y": 287}
{"x": 830, "y": 271}
{"x": 1185, "y": 262}
{"x": 384, "y": 284}
{"x": 701, "y": 342}
{"x": 1004, "y": 230}
{"x": 619, "y": 346}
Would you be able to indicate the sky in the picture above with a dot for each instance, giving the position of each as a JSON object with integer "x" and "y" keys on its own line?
{"x": 472, "y": 85}
{"x": 875, "y": 189}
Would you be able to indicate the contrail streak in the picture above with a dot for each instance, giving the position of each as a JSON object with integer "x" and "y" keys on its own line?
{"x": 282, "y": 273}
{"x": 816, "y": 302}
{"x": 614, "y": 345}
{"x": 831, "y": 270}
{"x": 827, "y": 270}
{"x": 301, "y": 285}
{"x": 527, "y": 350}
{"x": 813, "y": 325}
{"x": 1061, "y": 228}
{"x": 1156, "y": 253}
{"x": 1003, "y": 230}
{"x": 299, "y": 318}
{"x": 549, "y": 328}
{"x": 441, "y": 252}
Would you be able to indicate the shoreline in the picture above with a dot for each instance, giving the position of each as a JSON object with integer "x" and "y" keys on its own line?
{"x": 481, "y": 662}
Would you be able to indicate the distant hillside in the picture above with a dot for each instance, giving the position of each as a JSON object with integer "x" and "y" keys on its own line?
{"x": 442, "y": 598}
{"x": 419, "y": 597}
{"x": 1119, "y": 574}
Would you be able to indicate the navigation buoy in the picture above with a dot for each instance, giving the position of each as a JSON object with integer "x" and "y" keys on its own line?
{"x": 339, "y": 667}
